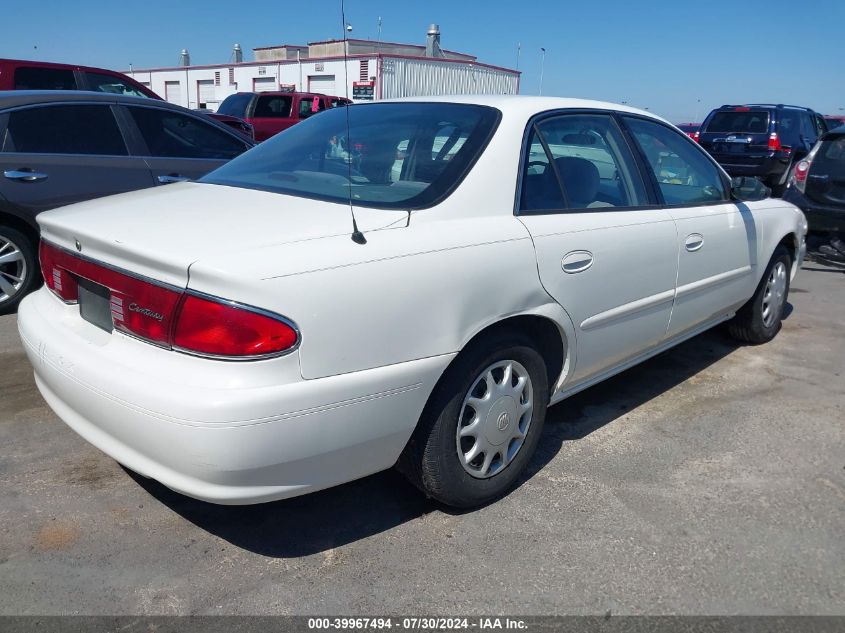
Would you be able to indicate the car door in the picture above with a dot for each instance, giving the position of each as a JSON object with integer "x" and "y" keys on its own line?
{"x": 178, "y": 145}
{"x": 604, "y": 251}
{"x": 717, "y": 237}
{"x": 60, "y": 153}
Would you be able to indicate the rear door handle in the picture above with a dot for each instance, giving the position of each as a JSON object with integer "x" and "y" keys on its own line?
{"x": 694, "y": 242}
{"x": 172, "y": 178}
{"x": 24, "y": 175}
{"x": 576, "y": 261}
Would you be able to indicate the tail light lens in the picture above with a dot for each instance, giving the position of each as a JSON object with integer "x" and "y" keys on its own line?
{"x": 774, "y": 142}
{"x": 168, "y": 316}
{"x": 212, "y": 327}
{"x": 798, "y": 178}
{"x": 696, "y": 136}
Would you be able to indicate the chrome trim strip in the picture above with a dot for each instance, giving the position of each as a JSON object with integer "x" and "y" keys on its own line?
{"x": 706, "y": 283}
{"x": 627, "y": 309}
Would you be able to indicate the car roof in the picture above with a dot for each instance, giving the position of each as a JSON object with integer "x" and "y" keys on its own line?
{"x": 17, "y": 98}
{"x": 525, "y": 105}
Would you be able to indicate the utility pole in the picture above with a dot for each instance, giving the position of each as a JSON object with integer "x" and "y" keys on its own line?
{"x": 542, "y": 64}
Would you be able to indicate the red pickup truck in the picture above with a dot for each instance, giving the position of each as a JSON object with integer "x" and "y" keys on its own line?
{"x": 271, "y": 112}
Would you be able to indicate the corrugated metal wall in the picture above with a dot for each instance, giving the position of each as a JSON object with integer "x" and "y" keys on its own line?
{"x": 417, "y": 78}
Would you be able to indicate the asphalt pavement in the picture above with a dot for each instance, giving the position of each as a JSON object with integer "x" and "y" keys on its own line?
{"x": 708, "y": 480}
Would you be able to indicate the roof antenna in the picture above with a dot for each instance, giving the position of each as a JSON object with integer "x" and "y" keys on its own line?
{"x": 357, "y": 236}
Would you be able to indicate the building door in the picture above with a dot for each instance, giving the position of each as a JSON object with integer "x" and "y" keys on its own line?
{"x": 323, "y": 84}
{"x": 205, "y": 93}
{"x": 173, "y": 92}
{"x": 264, "y": 84}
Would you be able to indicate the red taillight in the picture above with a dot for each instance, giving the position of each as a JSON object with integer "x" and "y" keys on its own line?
{"x": 742, "y": 109}
{"x": 696, "y": 136}
{"x": 774, "y": 142}
{"x": 216, "y": 328}
{"x": 168, "y": 316}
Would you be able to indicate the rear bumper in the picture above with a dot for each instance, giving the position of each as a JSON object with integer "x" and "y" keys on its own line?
{"x": 819, "y": 217}
{"x": 230, "y": 433}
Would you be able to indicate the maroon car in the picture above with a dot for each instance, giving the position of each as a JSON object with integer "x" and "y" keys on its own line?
{"x": 271, "y": 112}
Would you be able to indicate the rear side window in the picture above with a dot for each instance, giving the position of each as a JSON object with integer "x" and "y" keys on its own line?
{"x": 33, "y": 78}
{"x": 789, "y": 126}
{"x": 273, "y": 107}
{"x": 235, "y": 105}
{"x": 739, "y": 122}
{"x": 683, "y": 172}
{"x": 309, "y": 106}
{"x": 175, "y": 135}
{"x": 101, "y": 82}
{"x": 589, "y": 157}
{"x": 64, "y": 129}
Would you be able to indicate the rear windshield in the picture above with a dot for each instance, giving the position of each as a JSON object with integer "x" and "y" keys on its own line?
{"x": 235, "y": 105}
{"x": 407, "y": 155}
{"x": 743, "y": 122}
{"x": 830, "y": 158}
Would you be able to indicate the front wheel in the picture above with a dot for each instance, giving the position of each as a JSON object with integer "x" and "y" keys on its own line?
{"x": 18, "y": 268}
{"x": 759, "y": 320}
{"x": 481, "y": 424}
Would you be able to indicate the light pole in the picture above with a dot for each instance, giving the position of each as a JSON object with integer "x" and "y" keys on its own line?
{"x": 697, "y": 110}
{"x": 542, "y": 63}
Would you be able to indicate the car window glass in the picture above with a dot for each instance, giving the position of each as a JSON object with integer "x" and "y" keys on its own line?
{"x": 540, "y": 187}
{"x": 821, "y": 128}
{"x": 683, "y": 173}
{"x": 101, "y": 82}
{"x": 272, "y": 107}
{"x": 235, "y": 105}
{"x": 738, "y": 121}
{"x": 64, "y": 129}
{"x": 176, "y": 135}
{"x": 789, "y": 126}
{"x": 592, "y": 160}
{"x": 389, "y": 160}
{"x": 309, "y": 106}
{"x": 31, "y": 78}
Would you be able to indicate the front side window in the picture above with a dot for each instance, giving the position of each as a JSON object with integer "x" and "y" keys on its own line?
{"x": 64, "y": 129}
{"x": 388, "y": 158}
{"x": 171, "y": 134}
{"x": 684, "y": 174}
{"x": 309, "y": 106}
{"x": 33, "y": 78}
{"x": 273, "y": 107}
{"x": 101, "y": 82}
{"x": 588, "y": 156}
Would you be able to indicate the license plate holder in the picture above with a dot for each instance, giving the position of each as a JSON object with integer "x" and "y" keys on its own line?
{"x": 94, "y": 304}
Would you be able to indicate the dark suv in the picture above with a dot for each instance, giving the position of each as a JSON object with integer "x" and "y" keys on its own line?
{"x": 761, "y": 140}
{"x": 817, "y": 184}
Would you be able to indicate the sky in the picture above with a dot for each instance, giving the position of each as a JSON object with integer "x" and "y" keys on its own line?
{"x": 678, "y": 59}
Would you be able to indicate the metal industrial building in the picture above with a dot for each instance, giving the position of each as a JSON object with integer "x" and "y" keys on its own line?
{"x": 372, "y": 70}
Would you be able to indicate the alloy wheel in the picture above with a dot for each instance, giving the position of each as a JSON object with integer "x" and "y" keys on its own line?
{"x": 775, "y": 294}
{"x": 13, "y": 269}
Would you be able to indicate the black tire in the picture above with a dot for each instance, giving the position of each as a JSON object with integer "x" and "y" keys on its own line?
{"x": 749, "y": 324}
{"x": 29, "y": 272}
{"x": 430, "y": 460}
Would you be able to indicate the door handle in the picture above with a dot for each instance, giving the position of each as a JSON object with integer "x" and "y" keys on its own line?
{"x": 172, "y": 178}
{"x": 694, "y": 242}
{"x": 24, "y": 175}
{"x": 576, "y": 262}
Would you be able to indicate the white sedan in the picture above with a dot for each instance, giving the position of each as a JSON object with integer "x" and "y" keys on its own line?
{"x": 301, "y": 317}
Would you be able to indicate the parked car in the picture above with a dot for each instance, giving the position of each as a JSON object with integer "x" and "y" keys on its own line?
{"x": 232, "y": 121}
{"x": 271, "y": 112}
{"x": 817, "y": 183}
{"x": 761, "y": 140}
{"x": 526, "y": 249}
{"x": 834, "y": 122}
{"x": 57, "y": 148}
{"x": 22, "y": 74}
{"x": 689, "y": 129}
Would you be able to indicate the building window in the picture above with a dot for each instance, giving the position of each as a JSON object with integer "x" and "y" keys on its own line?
{"x": 365, "y": 70}
{"x": 231, "y": 76}
{"x": 216, "y": 77}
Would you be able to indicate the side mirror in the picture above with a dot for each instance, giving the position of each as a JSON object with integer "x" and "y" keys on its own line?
{"x": 749, "y": 189}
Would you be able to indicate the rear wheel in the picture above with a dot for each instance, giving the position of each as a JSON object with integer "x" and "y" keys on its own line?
{"x": 481, "y": 424}
{"x": 759, "y": 320}
{"x": 18, "y": 268}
